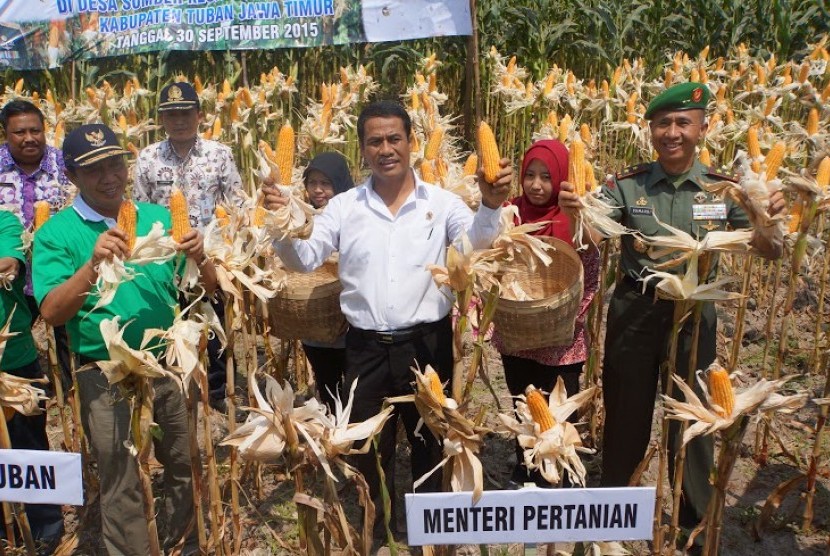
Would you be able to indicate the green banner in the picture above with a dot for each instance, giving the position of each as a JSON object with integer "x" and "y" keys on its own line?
{"x": 48, "y": 33}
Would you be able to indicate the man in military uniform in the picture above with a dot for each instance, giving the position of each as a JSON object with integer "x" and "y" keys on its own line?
{"x": 638, "y": 327}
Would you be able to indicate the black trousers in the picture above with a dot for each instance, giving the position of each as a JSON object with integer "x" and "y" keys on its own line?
{"x": 29, "y": 433}
{"x": 329, "y": 367}
{"x": 384, "y": 370}
{"x": 519, "y": 373}
{"x": 217, "y": 371}
{"x": 636, "y": 346}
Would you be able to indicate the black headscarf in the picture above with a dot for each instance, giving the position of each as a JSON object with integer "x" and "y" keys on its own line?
{"x": 334, "y": 166}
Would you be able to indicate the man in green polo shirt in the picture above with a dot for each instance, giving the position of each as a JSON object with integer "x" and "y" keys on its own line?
{"x": 20, "y": 359}
{"x": 67, "y": 252}
{"x": 637, "y": 332}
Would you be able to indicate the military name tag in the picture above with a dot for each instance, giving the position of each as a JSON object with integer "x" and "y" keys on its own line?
{"x": 714, "y": 211}
{"x": 641, "y": 211}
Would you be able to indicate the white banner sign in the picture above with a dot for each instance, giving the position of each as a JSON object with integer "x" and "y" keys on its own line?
{"x": 41, "y": 477}
{"x": 531, "y": 515}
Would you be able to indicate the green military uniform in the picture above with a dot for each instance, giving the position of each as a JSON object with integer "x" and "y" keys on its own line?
{"x": 638, "y": 327}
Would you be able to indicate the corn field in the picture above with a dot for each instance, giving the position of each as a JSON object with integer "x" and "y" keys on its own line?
{"x": 538, "y": 80}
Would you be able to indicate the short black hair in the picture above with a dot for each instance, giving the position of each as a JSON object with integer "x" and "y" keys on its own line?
{"x": 383, "y": 109}
{"x": 17, "y": 107}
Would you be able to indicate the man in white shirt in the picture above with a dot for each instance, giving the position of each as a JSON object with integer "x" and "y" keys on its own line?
{"x": 387, "y": 231}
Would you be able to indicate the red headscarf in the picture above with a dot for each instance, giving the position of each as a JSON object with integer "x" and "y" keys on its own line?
{"x": 554, "y": 155}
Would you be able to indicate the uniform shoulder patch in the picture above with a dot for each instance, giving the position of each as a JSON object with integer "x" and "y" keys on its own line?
{"x": 722, "y": 174}
{"x": 631, "y": 171}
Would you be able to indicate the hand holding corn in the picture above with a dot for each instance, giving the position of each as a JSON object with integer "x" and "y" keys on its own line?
{"x": 9, "y": 266}
{"x": 272, "y": 198}
{"x": 193, "y": 246}
{"x": 494, "y": 193}
{"x": 111, "y": 243}
{"x": 569, "y": 201}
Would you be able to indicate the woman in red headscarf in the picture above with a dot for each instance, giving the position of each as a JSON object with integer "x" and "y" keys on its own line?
{"x": 544, "y": 168}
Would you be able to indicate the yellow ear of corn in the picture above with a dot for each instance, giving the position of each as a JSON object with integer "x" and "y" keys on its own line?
{"x": 427, "y": 172}
{"x": 344, "y": 76}
{"x": 549, "y": 81}
{"x": 434, "y": 143}
{"x": 179, "y": 215}
{"x": 669, "y": 78}
{"x": 127, "y": 221}
{"x": 435, "y": 386}
{"x": 216, "y": 131}
{"x": 704, "y": 53}
{"x": 259, "y": 216}
{"x": 774, "y": 158}
{"x": 539, "y": 409}
{"x": 590, "y": 178}
{"x": 812, "y": 122}
{"x": 720, "y": 388}
{"x": 226, "y": 88}
{"x": 441, "y": 169}
{"x": 285, "y": 153}
{"x": 42, "y": 212}
{"x": 804, "y": 72}
{"x": 754, "y": 148}
{"x": 795, "y": 216}
{"x": 221, "y": 216}
{"x": 564, "y": 127}
{"x": 488, "y": 152}
{"x": 585, "y": 134}
{"x": 471, "y": 165}
{"x": 695, "y": 75}
{"x": 823, "y": 173}
{"x": 266, "y": 149}
{"x": 705, "y": 157}
{"x": 770, "y": 105}
{"x": 433, "y": 83}
{"x": 57, "y": 140}
{"x": 576, "y": 166}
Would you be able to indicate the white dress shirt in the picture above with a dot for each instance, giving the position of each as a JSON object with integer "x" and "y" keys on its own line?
{"x": 383, "y": 258}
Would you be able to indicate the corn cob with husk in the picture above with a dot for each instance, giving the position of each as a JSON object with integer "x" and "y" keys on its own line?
{"x": 720, "y": 388}
{"x": 488, "y": 152}
{"x": 286, "y": 147}
{"x": 127, "y": 222}
{"x": 42, "y": 212}
{"x": 179, "y": 215}
{"x": 576, "y": 166}
{"x": 539, "y": 410}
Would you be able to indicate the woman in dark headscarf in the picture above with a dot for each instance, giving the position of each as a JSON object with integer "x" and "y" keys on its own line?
{"x": 327, "y": 175}
{"x": 544, "y": 168}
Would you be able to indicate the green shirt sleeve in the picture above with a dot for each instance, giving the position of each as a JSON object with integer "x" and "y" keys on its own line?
{"x": 52, "y": 261}
{"x": 20, "y": 349}
{"x": 11, "y": 237}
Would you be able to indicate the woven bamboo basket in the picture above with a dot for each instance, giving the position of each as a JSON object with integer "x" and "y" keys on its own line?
{"x": 549, "y": 317}
{"x": 308, "y": 307}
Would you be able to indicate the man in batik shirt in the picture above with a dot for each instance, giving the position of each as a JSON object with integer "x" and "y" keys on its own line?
{"x": 205, "y": 171}
{"x": 32, "y": 171}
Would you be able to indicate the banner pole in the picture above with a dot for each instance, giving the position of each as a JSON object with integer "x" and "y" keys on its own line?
{"x": 472, "y": 100}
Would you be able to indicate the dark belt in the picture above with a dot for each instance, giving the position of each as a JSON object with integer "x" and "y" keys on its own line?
{"x": 399, "y": 336}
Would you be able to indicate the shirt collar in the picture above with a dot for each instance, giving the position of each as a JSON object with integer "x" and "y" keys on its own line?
{"x": 196, "y": 150}
{"x": 421, "y": 187}
{"x": 90, "y": 214}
